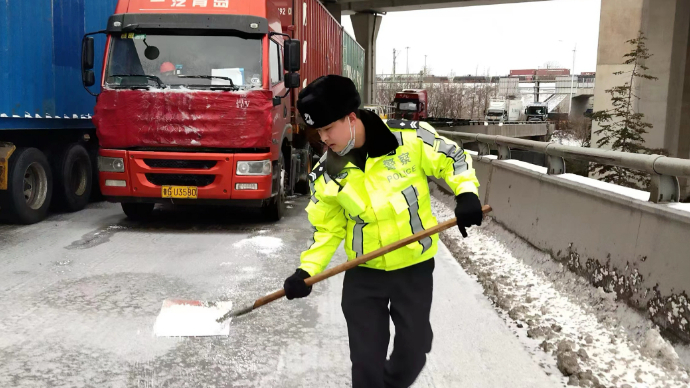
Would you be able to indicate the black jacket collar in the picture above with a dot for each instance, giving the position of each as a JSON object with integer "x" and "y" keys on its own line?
{"x": 379, "y": 142}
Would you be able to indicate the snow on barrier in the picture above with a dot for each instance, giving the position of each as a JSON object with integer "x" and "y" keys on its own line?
{"x": 631, "y": 242}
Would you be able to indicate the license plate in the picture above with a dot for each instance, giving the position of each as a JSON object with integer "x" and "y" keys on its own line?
{"x": 179, "y": 192}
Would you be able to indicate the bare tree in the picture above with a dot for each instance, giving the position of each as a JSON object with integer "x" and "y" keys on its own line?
{"x": 447, "y": 99}
{"x": 551, "y": 65}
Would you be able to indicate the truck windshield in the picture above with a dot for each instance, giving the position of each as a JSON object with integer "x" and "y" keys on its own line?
{"x": 205, "y": 60}
{"x": 536, "y": 110}
{"x": 407, "y": 106}
{"x": 496, "y": 113}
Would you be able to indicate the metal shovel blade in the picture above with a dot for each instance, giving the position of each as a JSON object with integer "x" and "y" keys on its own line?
{"x": 192, "y": 318}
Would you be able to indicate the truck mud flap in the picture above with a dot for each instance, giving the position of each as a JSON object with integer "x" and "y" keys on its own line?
{"x": 6, "y": 150}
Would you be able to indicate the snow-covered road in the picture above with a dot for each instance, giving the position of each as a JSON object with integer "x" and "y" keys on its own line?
{"x": 81, "y": 292}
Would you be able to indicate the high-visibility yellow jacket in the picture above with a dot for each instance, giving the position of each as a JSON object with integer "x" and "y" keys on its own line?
{"x": 386, "y": 202}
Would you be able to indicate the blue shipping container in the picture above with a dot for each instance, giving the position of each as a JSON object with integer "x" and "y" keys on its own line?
{"x": 40, "y": 60}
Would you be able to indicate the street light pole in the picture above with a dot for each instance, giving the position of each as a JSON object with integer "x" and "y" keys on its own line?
{"x": 408, "y": 60}
{"x": 572, "y": 81}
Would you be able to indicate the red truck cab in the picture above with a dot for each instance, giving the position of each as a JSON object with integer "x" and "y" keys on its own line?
{"x": 410, "y": 104}
{"x": 195, "y": 105}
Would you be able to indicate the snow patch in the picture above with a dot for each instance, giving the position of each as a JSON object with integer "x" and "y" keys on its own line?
{"x": 189, "y": 320}
{"x": 194, "y": 142}
{"x": 679, "y": 206}
{"x": 626, "y": 191}
{"x": 263, "y": 244}
{"x": 3, "y": 115}
{"x": 188, "y": 129}
{"x": 566, "y": 139}
{"x": 528, "y": 166}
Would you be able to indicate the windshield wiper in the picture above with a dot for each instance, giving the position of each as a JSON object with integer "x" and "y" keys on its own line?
{"x": 232, "y": 84}
{"x": 160, "y": 83}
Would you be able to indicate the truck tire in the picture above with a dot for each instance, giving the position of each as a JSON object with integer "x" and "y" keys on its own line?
{"x": 30, "y": 187}
{"x": 73, "y": 178}
{"x": 302, "y": 186}
{"x": 138, "y": 211}
{"x": 274, "y": 209}
{"x": 96, "y": 194}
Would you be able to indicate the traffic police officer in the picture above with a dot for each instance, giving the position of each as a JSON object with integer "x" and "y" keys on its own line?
{"x": 370, "y": 189}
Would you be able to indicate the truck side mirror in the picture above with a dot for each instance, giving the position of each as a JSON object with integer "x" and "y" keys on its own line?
{"x": 88, "y": 78}
{"x": 291, "y": 52}
{"x": 292, "y": 80}
{"x": 87, "y": 53}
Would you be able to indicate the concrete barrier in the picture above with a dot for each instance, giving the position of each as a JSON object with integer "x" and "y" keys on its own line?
{"x": 620, "y": 242}
{"x": 509, "y": 130}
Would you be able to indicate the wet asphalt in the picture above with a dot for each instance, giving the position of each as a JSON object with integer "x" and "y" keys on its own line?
{"x": 81, "y": 292}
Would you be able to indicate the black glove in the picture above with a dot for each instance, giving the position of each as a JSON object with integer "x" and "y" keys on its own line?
{"x": 468, "y": 211}
{"x": 294, "y": 285}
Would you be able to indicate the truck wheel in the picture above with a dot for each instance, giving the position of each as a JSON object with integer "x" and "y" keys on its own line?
{"x": 302, "y": 186}
{"x": 273, "y": 211}
{"x": 73, "y": 178}
{"x": 96, "y": 194}
{"x": 138, "y": 211}
{"x": 30, "y": 187}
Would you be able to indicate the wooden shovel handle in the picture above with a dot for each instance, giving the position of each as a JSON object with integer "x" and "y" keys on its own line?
{"x": 371, "y": 255}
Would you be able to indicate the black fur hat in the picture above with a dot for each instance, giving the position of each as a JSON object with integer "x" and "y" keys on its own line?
{"x": 328, "y": 99}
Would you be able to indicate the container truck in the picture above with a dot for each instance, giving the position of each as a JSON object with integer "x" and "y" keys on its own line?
{"x": 197, "y": 99}
{"x": 550, "y": 73}
{"x": 524, "y": 74}
{"x": 48, "y": 144}
{"x": 412, "y": 104}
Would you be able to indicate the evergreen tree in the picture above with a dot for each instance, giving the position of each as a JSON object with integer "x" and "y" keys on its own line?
{"x": 621, "y": 127}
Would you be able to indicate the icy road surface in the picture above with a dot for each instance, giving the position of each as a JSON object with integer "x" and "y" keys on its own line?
{"x": 81, "y": 292}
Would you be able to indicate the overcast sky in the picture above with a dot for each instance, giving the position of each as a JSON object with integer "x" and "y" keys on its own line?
{"x": 490, "y": 38}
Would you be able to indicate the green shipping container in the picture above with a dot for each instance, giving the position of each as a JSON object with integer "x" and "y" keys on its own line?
{"x": 353, "y": 61}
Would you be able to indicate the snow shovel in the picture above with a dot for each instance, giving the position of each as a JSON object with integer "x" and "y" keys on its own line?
{"x": 190, "y": 318}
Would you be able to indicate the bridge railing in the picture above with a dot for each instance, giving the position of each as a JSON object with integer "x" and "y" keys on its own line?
{"x": 501, "y": 123}
{"x": 664, "y": 170}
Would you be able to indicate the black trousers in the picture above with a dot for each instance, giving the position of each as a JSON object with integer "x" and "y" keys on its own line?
{"x": 367, "y": 294}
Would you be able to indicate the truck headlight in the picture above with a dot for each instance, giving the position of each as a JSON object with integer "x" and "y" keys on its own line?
{"x": 259, "y": 167}
{"x": 107, "y": 164}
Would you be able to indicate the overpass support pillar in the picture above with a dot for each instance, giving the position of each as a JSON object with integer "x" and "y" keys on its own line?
{"x": 665, "y": 102}
{"x": 366, "y": 26}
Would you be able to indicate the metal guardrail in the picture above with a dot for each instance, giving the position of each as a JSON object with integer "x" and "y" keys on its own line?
{"x": 664, "y": 170}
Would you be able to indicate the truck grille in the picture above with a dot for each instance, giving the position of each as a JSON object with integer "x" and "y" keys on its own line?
{"x": 180, "y": 179}
{"x": 173, "y": 163}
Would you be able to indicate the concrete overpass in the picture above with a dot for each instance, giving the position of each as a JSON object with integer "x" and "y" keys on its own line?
{"x": 349, "y": 7}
